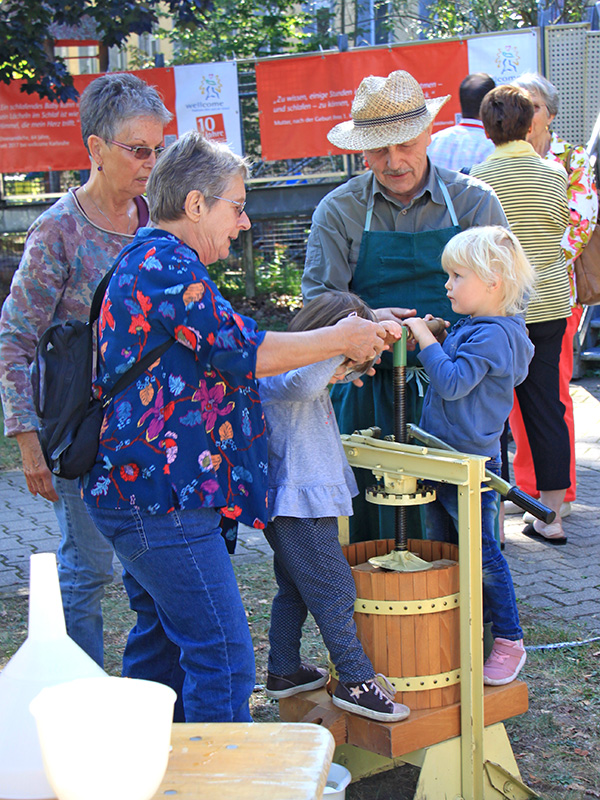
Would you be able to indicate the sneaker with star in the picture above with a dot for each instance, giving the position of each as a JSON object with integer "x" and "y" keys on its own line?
{"x": 373, "y": 699}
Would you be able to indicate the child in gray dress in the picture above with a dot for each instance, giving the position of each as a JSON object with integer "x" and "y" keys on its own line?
{"x": 310, "y": 485}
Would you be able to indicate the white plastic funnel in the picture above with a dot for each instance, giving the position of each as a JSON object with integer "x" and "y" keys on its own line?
{"x": 105, "y": 737}
{"x": 47, "y": 657}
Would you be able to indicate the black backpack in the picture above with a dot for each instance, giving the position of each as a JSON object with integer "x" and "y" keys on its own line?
{"x": 62, "y": 374}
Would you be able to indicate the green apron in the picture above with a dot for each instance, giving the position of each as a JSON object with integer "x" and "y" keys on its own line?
{"x": 393, "y": 269}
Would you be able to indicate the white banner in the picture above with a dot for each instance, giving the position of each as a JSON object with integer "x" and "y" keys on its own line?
{"x": 207, "y": 101}
{"x": 504, "y": 56}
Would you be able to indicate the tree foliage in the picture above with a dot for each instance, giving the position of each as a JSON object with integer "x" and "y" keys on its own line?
{"x": 27, "y": 45}
{"x": 246, "y": 29}
{"x": 451, "y": 18}
{"x": 249, "y": 29}
{"x": 216, "y": 30}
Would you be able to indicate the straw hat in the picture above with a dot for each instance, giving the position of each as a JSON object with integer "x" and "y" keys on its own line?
{"x": 386, "y": 111}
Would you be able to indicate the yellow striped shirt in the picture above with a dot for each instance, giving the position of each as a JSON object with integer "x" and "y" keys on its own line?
{"x": 533, "y": 193}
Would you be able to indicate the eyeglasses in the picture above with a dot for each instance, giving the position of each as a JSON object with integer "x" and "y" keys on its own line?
{"x": 240, "y": 206}
{"x": 141, "y": 153}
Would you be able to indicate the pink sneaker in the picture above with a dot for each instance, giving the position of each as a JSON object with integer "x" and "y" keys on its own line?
{"x": 504, "y": 662}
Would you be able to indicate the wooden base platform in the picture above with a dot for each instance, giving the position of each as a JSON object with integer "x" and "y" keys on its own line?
{"x": 422, "y": 729}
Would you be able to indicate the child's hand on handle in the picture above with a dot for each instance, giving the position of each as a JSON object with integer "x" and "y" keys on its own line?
{"x": 397, "y": 315}
{"x": 393, "y": 330}
{"x": 420, "y": 331}
{"x": 437, "y": 326}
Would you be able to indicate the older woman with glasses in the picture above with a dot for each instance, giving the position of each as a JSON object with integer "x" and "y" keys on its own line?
{"x": 186, "y": 443}
{"x": 67, "y": 251}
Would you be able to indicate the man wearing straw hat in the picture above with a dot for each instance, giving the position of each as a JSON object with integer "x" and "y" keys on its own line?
{"x": 381, "y": 235}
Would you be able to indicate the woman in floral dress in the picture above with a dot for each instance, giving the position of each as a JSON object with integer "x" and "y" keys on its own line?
{"x": 186, "y": 442}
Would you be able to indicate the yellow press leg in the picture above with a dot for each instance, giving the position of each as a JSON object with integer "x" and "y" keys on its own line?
{"x": 344, "y": 531}
{"x": 363, "y": 763}
{"x": 440, "y": 777}
{"x": 471, "y": 632}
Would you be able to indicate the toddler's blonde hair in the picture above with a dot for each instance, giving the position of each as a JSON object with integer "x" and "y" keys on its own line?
{"x": 494, "y": 253}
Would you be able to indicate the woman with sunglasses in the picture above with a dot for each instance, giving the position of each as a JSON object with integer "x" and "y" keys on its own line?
{"x": 67, "y": 251}
{"x": 185, "y": 444}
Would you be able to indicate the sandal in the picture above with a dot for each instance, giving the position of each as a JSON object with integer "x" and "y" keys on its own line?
{"x": 531, "y": 532}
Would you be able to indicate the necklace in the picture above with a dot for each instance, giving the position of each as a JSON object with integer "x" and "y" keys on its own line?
{"x": 99, "y": 210}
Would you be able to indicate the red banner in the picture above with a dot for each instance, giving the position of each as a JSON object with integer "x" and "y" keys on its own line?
{"x": 301, "y": 99}
{"x": 38, "y": 135}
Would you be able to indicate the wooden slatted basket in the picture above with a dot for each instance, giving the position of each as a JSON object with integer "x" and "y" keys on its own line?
{"x": 408, "y": 622}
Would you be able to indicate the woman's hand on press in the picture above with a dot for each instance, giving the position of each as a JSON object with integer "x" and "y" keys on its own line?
{"x": 37, "y": 474}
{"x": 361, "y": 339}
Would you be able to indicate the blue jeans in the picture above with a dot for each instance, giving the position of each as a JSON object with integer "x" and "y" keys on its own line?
{"x": 84, "y": 568}
{"x": 499, "y": 601}
{"x": 312, "y": 574}
{"x": 191, "y": 631}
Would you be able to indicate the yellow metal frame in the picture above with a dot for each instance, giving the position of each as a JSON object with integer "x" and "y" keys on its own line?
{"x": 397, "y": 464}
{"x": 440, "y": 776}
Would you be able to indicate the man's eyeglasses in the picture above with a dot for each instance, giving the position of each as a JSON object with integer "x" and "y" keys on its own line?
{"x": 141, "y": 153}
{"x": 240, "y": 206}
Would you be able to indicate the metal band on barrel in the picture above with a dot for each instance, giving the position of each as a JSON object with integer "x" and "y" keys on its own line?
{"x": 422, "y": 683}
{"x": 416, "y": 683}
{"x": 433, "y": 605}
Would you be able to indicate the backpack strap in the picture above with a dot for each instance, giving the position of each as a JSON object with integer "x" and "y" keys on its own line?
{"x": 103, "y": 285}
{"x": 140, "y": 366}
{"x": 135, "y": 371}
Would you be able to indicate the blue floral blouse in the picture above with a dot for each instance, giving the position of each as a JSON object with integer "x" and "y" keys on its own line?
{"x": 190, "y": 432}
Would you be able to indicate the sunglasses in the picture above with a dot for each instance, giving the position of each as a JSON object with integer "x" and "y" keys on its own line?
{"x": 239, "y": 206}
{"x": 141, "y": 153}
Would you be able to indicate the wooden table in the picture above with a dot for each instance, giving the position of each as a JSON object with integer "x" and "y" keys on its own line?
{"x": 247, "y": 761}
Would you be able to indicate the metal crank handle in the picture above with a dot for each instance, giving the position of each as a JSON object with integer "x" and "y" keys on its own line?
{"x": 518, "y": 496}
{"x": 437, "y": 326}
{"x": 528, "y": 503}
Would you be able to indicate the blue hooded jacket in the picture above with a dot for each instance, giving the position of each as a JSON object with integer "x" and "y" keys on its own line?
{"x": 472, "y": 378}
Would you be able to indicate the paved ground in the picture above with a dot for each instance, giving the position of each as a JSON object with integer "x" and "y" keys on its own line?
{"x": 561, "y": 582}
{"x": 564, "y": 582}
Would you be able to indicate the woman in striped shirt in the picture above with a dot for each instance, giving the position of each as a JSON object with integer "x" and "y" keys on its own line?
{"x": 583, "y": 207}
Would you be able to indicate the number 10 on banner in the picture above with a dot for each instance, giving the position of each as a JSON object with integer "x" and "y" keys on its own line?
{"x": 212, "y": 127}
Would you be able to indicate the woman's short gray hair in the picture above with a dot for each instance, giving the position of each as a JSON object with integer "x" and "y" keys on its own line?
{"x": 112, "y": 99}
{"x": 533, "y": 82}
{"x": 191, "y": 162}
